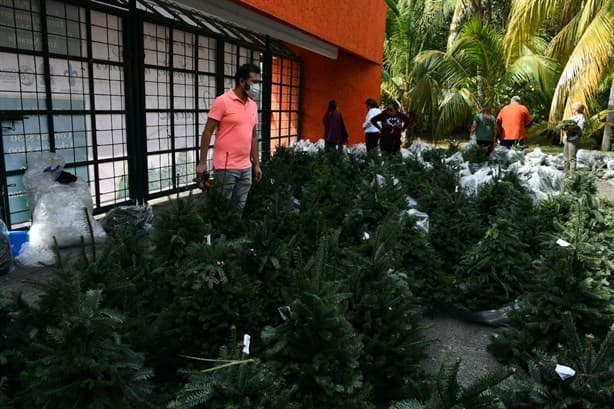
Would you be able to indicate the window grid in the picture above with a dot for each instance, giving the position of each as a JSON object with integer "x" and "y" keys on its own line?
{"x": 20, "y": 26}
{"x": 66, "y": 29}
{"x": 84, "y": 87}
{"x": 179, "y": 83}
{"x": 284, "y": 102}
{"x": 62, "y": 68}
{"x": 23, "y": 82}
{"x": 235, "y": 56}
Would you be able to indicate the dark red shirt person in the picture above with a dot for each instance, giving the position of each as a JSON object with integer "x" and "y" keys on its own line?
{"x": 335, "y": 134}
{"x": 391, "y": 124}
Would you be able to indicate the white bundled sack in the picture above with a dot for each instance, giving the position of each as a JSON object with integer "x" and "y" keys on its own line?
{"x": 556, "y": 161}
{"x": 406, "y": 155}
{"x": 524, "y": 171}
{"x": 418, "y": 148}
{"x": 471, "y": 184}
{"x": 59, "y": 211}
{"x": 422, "y": 222}
{"x": 465, "y": 170}
{"x": 359, "y": 150}
{"x": 422, "y": 219}
{"x": 379, "y": 181}
{"x": 514, "y": 155}
{"x": 588, "y": 159}
{"x": 455, "y": 160}
{"x": 535, "y": 158}
{"x": 306, "y": 146}
{"x": 499, "y": 154}
{"x": 545, "y": 181}
{"x": 505, "y": 156}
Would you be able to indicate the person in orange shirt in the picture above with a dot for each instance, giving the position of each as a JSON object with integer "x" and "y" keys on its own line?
{"x": 512, "y": 121}
{"x": 235, "y": 150}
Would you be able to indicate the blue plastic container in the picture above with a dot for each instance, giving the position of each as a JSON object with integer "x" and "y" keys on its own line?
{"x": 18, "y": 238}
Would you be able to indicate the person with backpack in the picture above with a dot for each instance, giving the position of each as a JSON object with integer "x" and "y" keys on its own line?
{"x": 483, "y": 128}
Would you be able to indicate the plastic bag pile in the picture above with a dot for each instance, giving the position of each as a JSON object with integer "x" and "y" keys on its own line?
{"x": 61, "y": 212}
{"x": 139, "y": 217}
{"x": 541, "y": 173}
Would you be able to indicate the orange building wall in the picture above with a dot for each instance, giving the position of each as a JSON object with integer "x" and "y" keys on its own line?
{"x": 357, "y": 26}
{"x": 349, "y": 80}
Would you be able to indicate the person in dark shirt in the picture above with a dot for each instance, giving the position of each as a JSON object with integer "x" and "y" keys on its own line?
{"x": 391, "y": 124}
{"x": 335, "y": 134}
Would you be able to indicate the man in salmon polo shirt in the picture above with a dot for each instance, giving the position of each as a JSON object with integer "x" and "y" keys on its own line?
{"x": 513, "y": 120}
{"x": 235, "y": 116}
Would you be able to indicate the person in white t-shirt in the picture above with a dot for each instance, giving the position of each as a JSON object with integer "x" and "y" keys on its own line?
{"x": 371, "y": 132}
{"x": 572, "y": 136}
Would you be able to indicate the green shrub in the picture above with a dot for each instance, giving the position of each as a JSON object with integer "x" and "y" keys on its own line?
{"x": 383, "y": 312}
{"x": 504, "y": 196}
{"x": 494, "y": 272}
{"x": 444, "y": 391}
{"x": 235, "y": 382}
{"x": 14, "y": 346}
{"x": 476, "y": 154}
{"x": 176, "y": 228}
{"x": 82, "y": 362}
{"x": 571, "y": 275}
{"x": 5, "y": 402}
{"x": 592, "y": 387}
{"x": 211, "y": 292}
{"x": 315, "y": 348}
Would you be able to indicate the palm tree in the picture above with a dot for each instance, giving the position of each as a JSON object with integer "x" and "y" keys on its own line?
{"x": 401, "y": 45}
{"x": 463, "y": 9}
{"x": 411, "y": 26}
{"x": 583, "y": 44}
{"x": 451, "y": 85}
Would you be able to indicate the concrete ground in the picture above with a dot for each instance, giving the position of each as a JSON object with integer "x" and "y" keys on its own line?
{"x": 606, "y": 188}
{"x": 454, "y": 339}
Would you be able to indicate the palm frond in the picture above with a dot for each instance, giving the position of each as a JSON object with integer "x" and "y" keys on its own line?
{"x": 565, "y": 40}
{"x": 534, "y": 70}
{"x": 587, "y": 64}
{"x": 526, "y": 18}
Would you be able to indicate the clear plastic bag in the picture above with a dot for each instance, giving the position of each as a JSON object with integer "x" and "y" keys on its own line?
{"x": 535, "y": 158}
{"x": 61, "y": 213}
{"x": 422, "y": 219}
{"x": 141, "y": 217}
{"x": 471, "y": 184}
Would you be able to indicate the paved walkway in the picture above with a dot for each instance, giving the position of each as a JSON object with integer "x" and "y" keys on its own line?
{"x": 606, "y": 188}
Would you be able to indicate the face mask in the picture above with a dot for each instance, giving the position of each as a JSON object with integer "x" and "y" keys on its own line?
{"x": 253, "y": 91}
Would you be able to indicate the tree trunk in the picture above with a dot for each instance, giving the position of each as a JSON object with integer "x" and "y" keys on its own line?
{"x": 607, "y": 132}
{"x": 487, "y": 11}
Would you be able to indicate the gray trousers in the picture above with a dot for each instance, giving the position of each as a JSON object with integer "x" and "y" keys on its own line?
{"x": 569, "y": 152}
{"x": 234, "y": 184}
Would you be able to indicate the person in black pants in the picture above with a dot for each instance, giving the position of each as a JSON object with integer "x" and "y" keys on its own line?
{"x": 371, "y": 132}
{"x": 391, "y": 123}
